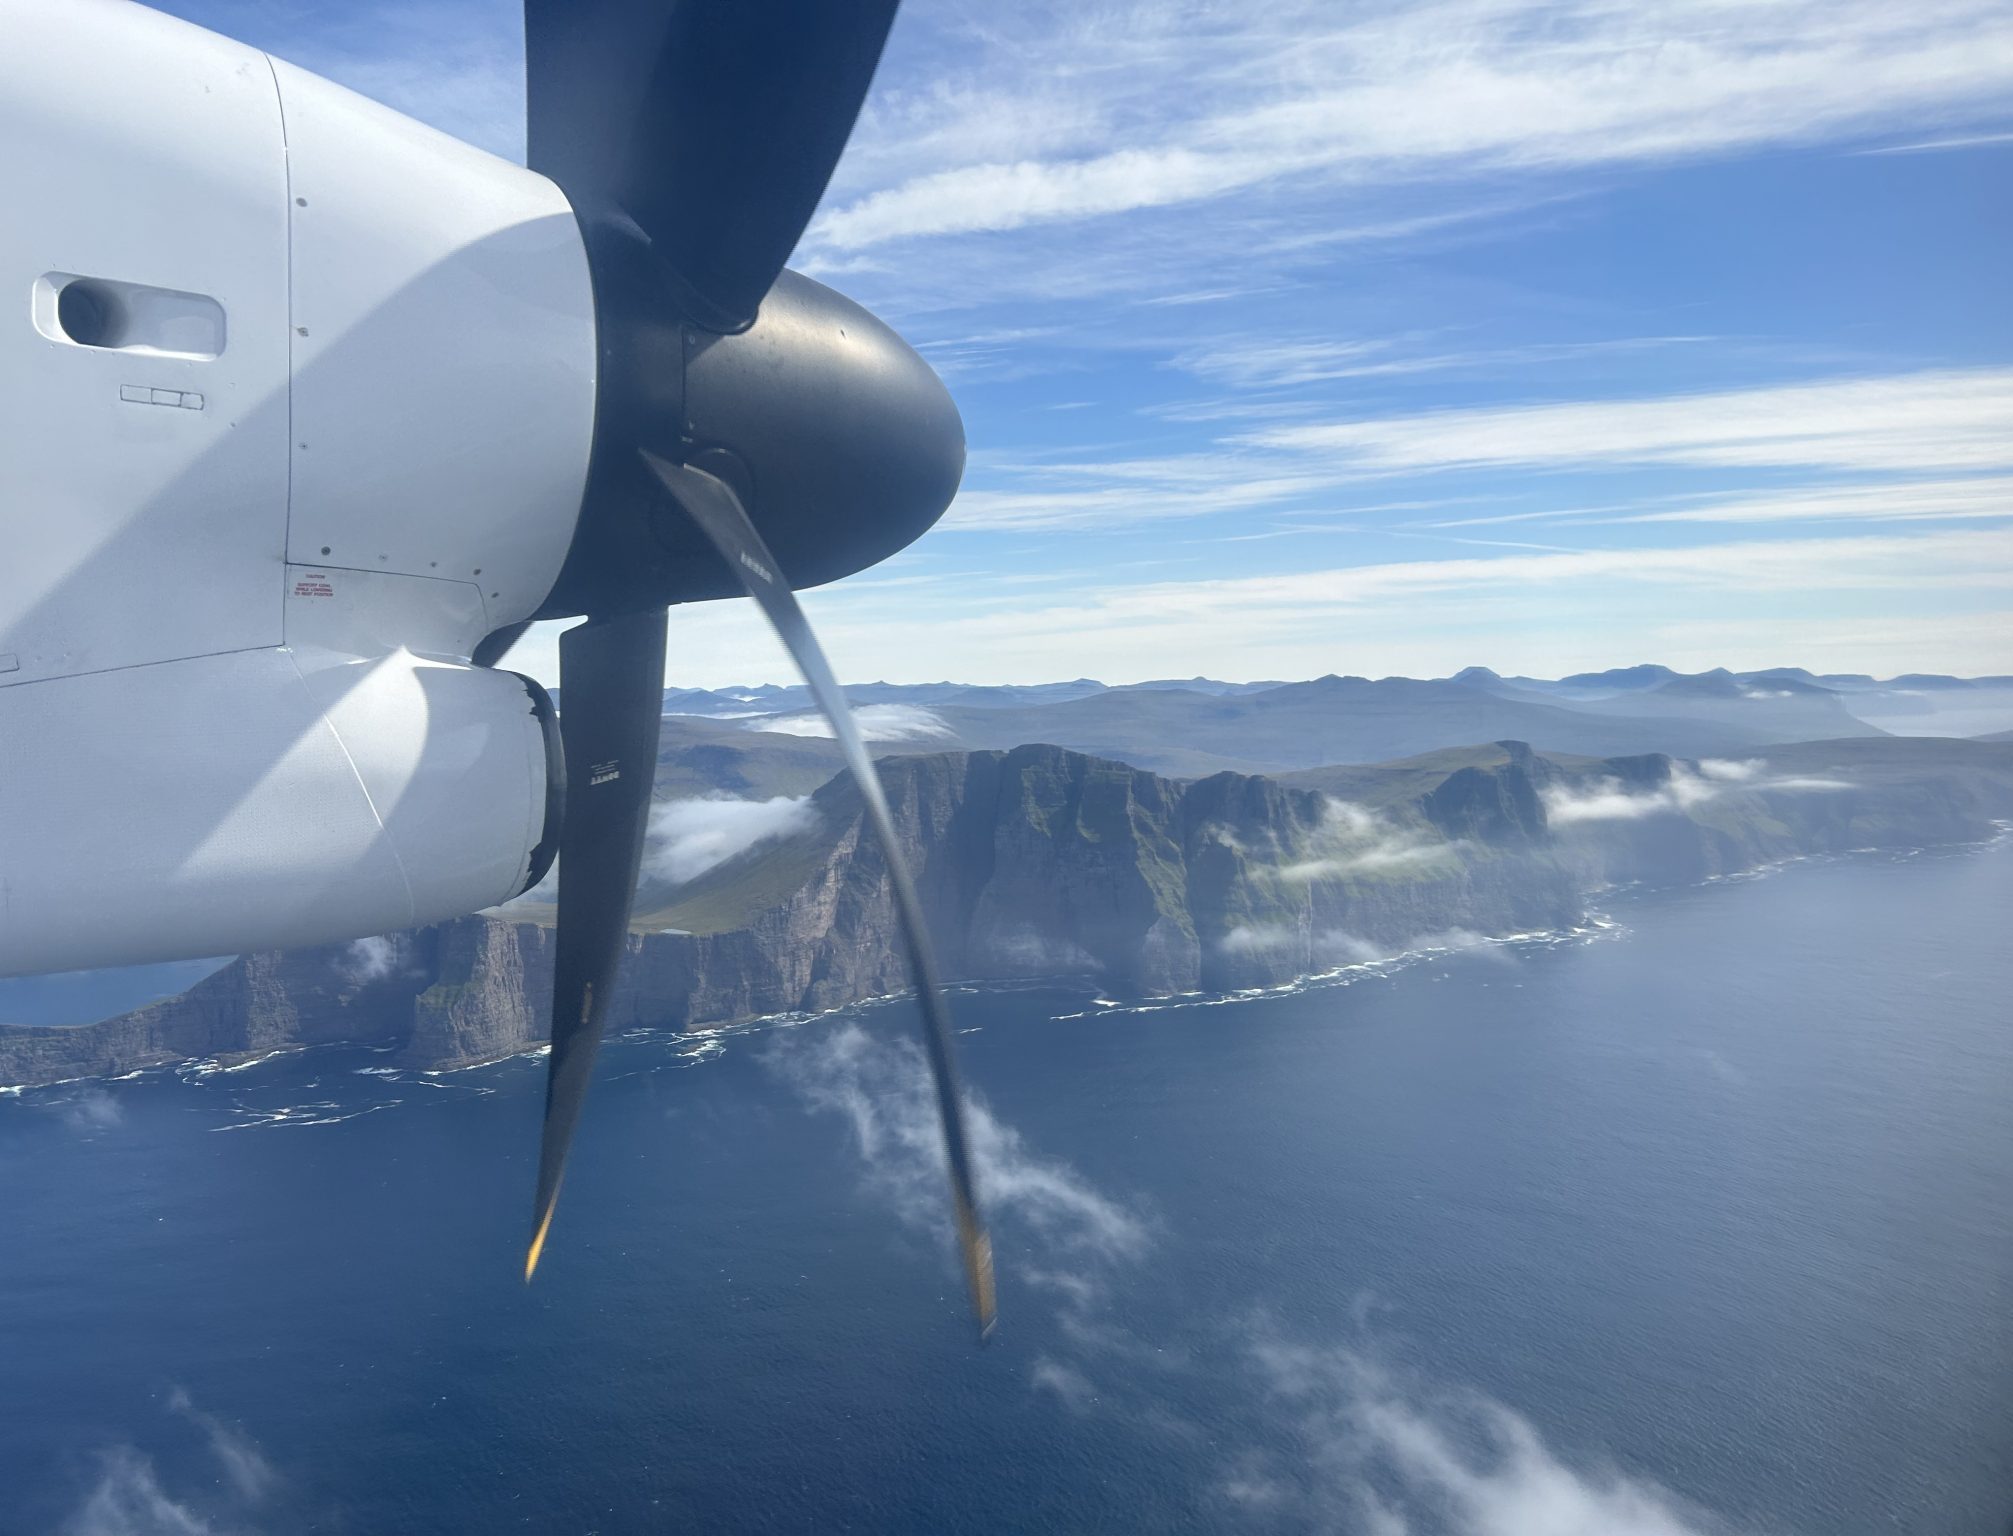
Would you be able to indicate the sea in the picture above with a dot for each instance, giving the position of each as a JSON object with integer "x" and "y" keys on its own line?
{"x": 1697, "y": 1220}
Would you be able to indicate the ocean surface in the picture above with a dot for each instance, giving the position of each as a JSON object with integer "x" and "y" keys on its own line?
{"x": 1702, "y": 1221}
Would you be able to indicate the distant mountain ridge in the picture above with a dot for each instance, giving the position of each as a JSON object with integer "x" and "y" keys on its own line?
{"x": 1190, "y": 728}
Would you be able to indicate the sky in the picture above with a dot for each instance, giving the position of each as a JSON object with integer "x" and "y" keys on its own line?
{"x": 1325, "y": 336}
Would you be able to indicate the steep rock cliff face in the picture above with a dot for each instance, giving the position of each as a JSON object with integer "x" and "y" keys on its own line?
{"x": 488, "y": 989}
{"x": 257, "y": 1003}
{"x": 1041, "y": 862}
{"x": 1084, "y": 874}
{"x": 1284, "y": 882}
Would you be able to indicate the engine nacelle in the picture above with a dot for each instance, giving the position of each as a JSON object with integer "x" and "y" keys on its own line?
{"x": 300, "y": 396}
{"x": 302, "y": 399}
{"x": 264, "y": 799}
{"x": 257, "y": 320}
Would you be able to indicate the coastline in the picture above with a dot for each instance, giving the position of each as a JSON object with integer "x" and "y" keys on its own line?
{"x": 705, "y": 1040}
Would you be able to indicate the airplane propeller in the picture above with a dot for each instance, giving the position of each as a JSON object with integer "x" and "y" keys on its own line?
{"x": 754, "y": 430}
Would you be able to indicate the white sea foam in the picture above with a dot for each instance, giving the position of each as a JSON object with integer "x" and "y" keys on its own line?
{"x": 253, "y": 1061}
{"x": 299, "y": 1115}
{"x": 1428, "y": 947}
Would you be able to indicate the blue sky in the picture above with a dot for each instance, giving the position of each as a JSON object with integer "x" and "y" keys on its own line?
{"x": 1322, "y": 336}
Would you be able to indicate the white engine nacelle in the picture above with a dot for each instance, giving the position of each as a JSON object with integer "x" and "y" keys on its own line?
{"x": 263, "y": 799}
{"x": 299, "y": 398}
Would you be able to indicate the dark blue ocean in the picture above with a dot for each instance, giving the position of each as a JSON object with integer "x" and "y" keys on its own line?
{"x": 1703, "y": 1222}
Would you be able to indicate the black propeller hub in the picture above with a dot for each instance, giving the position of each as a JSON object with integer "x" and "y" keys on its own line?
{"x": 841, "y": 441}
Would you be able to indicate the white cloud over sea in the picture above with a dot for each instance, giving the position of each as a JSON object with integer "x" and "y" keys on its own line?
{"x": 91, "y": 1109}
{"x": 1365, "y": 1445}
{"x": 882, "y": 1090}
{"x": 129, "y": 1497}
{"x": 1335, "y": 1435}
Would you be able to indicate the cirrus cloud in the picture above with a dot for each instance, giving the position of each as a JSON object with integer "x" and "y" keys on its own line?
{"x": 1051, "y": 116}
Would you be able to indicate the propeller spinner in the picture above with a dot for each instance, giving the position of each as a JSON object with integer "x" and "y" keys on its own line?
{"x": 754, "y": 430}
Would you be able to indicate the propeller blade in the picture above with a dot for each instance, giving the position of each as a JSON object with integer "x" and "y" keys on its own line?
{"x": 714, "y": 506}
{"x": 711, "y": 125}
{"x": 611, "y": 677}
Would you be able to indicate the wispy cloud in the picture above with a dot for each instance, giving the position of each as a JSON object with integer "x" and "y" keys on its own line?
{"x": 1892, "y": 501}
{"x": 458, "y": 67}
{"x": 1112, "y": 495}
{"x": 1065, "y": 1382}
{"x": 1353, "y": 839}
{"x": 1338, "y": 1437}
{"x": 1248, "y": 363}
{"x": 1362, "y": 1445}
{"x": 882, "y": 1090}
{"x": 1911, "y": 501}
{"x": 877, "y": 722}
{"x": 1021, "y": 950}
{"x": 250, "y": 1476}
{"x": 1929, "y": 146}
{"x": 1291, "y": 938}
{"x": 1953, "y": 422}
{"x": 1851, "y": 602}
{"x": 1954, "y": 419}
{"x": 1609, "y": 799}
{"x": 1843, "y": 598}
{"x": 689, "y": 837}
{"x": 363, "y": 961}
{"x": 1149, "y": 106}
{"x": 129, "y": 1498}
{"x": 1131, "y": 193}
{"x": 1605, "y": 798}
{"x": 1981, "y": 561}
{"x": 93, "y": 1109}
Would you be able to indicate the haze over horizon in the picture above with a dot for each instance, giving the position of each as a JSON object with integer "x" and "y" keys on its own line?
{"x": 1389, "y": 339}
{"x": 783, "y": 680}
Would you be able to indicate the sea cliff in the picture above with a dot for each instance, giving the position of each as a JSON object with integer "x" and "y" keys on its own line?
{"x": 1041, "y": 862}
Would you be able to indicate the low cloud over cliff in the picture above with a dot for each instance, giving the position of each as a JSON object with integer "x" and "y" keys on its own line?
{"x": 689, "y": 837}
{"x": 1610, "y": 799}
{"x": 1352, "y": 838}
{"x": 878, "y": 722}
